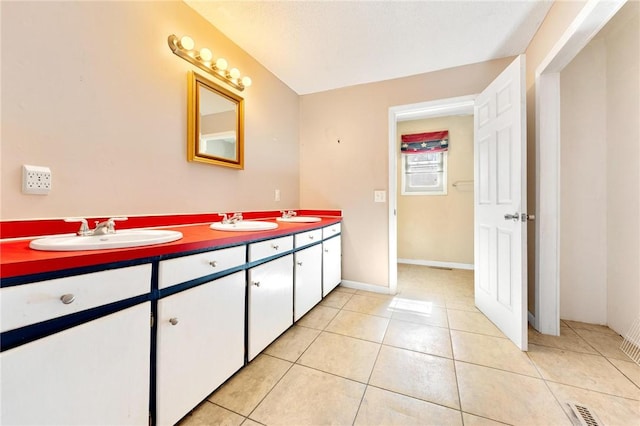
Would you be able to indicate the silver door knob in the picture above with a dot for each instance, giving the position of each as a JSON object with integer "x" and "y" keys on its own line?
{"x": 515, "y": 217}
{"x": 173, "y": 321}
{"x": 67, "y": 298}
{"x": 525, "y": 217}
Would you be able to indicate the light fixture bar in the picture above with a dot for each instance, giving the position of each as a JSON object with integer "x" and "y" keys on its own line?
{"x": 203, "y": 60}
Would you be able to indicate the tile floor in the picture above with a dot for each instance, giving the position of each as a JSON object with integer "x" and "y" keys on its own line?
{"x": 424, "y": 357}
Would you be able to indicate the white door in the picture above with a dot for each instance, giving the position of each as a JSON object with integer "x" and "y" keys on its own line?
{"x": 307, "y": 280}
{"x": 200, "y": 344}
{"x": 500, "y": 201}
{"x": 270, "y": 303}
{"x": 94, "y": 373}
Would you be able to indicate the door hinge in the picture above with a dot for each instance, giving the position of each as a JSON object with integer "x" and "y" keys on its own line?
{"x": 152, "y": 321}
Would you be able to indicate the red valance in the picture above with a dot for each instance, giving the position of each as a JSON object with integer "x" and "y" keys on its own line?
{"x": 419, "y": 143}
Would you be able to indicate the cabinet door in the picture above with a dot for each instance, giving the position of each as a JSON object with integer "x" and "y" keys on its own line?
{"x": 200, "y": 344}
{"x": 270, "y": 302}
{"x": 331, "y": 264}
{"x": 94, "y": 373}
{"x": 308, "y": 280}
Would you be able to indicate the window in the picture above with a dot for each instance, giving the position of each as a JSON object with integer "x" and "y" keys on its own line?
{"x": 424, "y": 174}
{"x": 424, "y": 163}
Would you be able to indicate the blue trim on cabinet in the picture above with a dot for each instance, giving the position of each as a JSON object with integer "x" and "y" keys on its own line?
{"x": 23, "y": 335}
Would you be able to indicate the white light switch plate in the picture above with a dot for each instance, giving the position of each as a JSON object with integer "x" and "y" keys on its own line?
{"x": 379, "y": 196}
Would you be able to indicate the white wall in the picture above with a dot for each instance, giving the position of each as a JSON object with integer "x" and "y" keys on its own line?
{"x": 583, "y": 183}
{"x": 623, "y": 167}
{"x": 600, "y": 179}
{"x": 92, "y": 90}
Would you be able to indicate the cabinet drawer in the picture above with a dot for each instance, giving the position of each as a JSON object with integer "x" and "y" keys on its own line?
{"x": 32, "y": 303}
{"x": 269, "y": 248}
{"x": 305, "y": 238}
{"x": 181, "y": 269}
{"x": 331, "y": 230}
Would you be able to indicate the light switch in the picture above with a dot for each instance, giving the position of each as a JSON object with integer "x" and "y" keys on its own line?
{"x": 379, "y": 196}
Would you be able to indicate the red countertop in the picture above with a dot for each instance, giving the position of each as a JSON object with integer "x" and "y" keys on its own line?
{"x": 18, "y": 259}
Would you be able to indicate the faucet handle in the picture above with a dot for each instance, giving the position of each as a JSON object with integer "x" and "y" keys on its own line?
{"x": 225, "y": 219}
{"x": 111, "y": 226}
{"x": 84, "y": 226}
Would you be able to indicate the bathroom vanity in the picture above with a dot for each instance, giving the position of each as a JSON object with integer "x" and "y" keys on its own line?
{"x": 132, "y": 336}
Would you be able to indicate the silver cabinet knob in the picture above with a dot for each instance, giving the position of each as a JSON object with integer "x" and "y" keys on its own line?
{"x": 311, "y": 237}
{"x": 275, "y": 246}
{"x": 326, "y": 250}
{"x": 213, "y": 263}
{"x": 67, "y": 298}
{"x": 173, "y": 321}
{"x": 299, "y": 263}
{"x": 256, "y": 283}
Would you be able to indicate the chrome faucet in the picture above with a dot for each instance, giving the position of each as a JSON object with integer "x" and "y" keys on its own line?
{"x": 237, "y": 217}
{"x": 287, "y": 214}
{"x": 102, "y": 228}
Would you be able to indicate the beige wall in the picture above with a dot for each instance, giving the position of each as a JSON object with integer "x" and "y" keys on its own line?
{"x": 558, "y": 19}
{"x": 583, "y": 183}
{"x": 600, "y": 182}
{"x": 92, "y": 90}
{"x": 440, "y": 227}
{"x": 344, "y": 138}
{"x": 623, "y": 168}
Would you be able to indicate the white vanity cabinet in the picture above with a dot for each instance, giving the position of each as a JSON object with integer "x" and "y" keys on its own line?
{"x": 308, "y": 280}
{"x": 95, "y": 372}
{"x": 331, "y": 258}
{"x": 270, "y": 304}
{"x": 200, "y": 344}
{"x": 200, "y": 330}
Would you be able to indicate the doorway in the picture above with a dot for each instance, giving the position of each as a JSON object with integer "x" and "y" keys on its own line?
{"x": 435, "y": 202}
{"x": 592, "y": 18}
{"x": 433, "y": 109}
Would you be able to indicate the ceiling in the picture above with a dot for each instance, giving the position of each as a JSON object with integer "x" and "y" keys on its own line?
{"x": 314, "y": 46}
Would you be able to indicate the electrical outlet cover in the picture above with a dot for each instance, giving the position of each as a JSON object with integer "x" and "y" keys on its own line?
{"x": 36, "y": 180}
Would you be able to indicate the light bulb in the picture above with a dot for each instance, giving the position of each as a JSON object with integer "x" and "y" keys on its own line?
{"x": 221, "y": 64}
{"x": 246, "y": 81}
{"x": 205, "y": 54}
{"x": 234, "y": 73}
{"x": 187, "y": 43}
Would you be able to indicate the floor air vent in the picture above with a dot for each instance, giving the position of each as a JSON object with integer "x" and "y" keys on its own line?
{"x": 583, "y": 415}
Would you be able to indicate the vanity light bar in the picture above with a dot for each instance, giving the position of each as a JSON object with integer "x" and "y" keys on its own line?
{"x": 203, "y": 59}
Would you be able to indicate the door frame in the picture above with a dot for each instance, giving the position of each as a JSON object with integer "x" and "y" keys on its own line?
{"x": 438, "y": 108}
{"x": 589, "y": 21}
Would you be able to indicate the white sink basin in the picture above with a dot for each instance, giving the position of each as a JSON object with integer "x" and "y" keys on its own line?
{"x": 299, "y": 219}
{"x": 244, "y": 226}
{"x": 121, "y": 239}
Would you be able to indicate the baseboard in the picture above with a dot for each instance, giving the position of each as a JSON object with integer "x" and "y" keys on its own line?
{"x": 532, "y": 320}
{"x": 438, "y": 264}
{"x": 364, "y": 286}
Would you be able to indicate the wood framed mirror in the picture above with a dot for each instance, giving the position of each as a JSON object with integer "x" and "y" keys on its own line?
{"x": 215, "y": 123}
